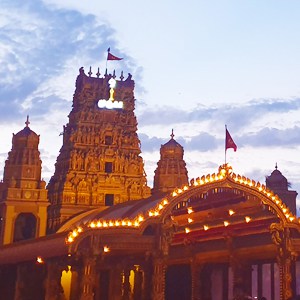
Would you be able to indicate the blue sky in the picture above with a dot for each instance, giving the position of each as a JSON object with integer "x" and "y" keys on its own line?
{"x": 198, "y": 65}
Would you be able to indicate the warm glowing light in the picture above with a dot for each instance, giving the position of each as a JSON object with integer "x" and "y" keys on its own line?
{"x": 174, "y": 194}
{"x": 160, "y": 206}
{"x": 92, "y": 225}
{"x": 196, "y": 183}
{"x": 105, "y": 224}
{"x": 226, "y": 223}
{"x": 231, "y": 212}
{"x": 187, "y": 230}
{"x": 99, "y": 224}
{"x": 205, "y": 227}
{"x": 156, "y": 213}
{"x": 247, "y": 219}
{"x": 69, "y": 254}
{"x": 292, "y": 219}
{"x": 185, "y": 188}
{"x": 165, "y": 202}
{"x": 124, "y": 223}
{"x": 179, "y": 191}
{"x": 284, "y": 210}
{"x": 190, "y": 210}
{"x": 150, "y": 213}
{"x": 117, "y": 223}
{"x": 74, "y": 233}
{"x": 190, "y": 220}
{"x": 70, "y": 239}
{"x": 136, "y": 223}
{"x": 79, "y": 229}
{"x": 129, "y": 223}
{"x": 106, "y": 249}
{"x": 39, "y": 260}
{"x": 141, "y": 218}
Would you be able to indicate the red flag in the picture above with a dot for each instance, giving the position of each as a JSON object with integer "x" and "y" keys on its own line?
{"x": 112, "y": 57}
{"x": 229, "y": 143}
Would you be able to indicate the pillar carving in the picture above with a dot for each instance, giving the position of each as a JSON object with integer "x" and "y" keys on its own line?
{"x": 53, "y": 287}
{"x": 285, "y": 256}
{"x": 159, "y": 277}
{"x": 195, "y": 275}
{"x": 88, "y": 279}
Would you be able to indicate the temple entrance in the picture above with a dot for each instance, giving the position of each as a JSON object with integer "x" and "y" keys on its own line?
{"x": 25, "y": 227}
{"x": 178, "y": 282}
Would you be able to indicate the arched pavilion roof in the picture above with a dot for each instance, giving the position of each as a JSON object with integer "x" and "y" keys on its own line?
{"x": 249, "y": 196}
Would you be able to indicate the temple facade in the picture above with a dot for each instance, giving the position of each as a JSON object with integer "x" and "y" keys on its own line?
{"x": 98, "y": 231}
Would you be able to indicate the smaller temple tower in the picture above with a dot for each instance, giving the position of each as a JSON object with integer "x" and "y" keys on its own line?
{"x": 279, "y": 185}
{"x": 171, "y": 171}
{"x": 23, "y": 197}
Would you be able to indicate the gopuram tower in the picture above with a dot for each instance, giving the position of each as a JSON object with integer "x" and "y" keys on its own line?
{"x": 99, "y": 163}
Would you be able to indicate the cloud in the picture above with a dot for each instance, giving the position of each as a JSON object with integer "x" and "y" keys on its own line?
{"x": 238, "y": 115}
{"x": 41, "y": 50}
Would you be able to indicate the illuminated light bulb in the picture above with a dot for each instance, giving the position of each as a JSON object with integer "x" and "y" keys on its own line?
{"x": 190, "y": 210}
{"x": 174, "y": 194}
{"x": 287, "y": 215}
{"x": 99, "y": 224}
{"x": 74, "y": 233}
{"x": 260, "y": 188}
{"x": 105, "y": 224}
{"x": 92, "y": 225}
{"x": 129, "y": 223}
{"x": 231, "y": 212}
{"x": 69, "y": 254}
{"x": 185, "y": 188}
{"x": 124, "y": 223}
{"x": 247, "y": 219}
{"x": 190, "y": 220}
{"x": 141, "y": 218}
{"x": 221, "y": 177}
{"x": 117, "y": 223}
{"x": 292, "y": 219}
{"x": 211, "y": 179}
{"x": 205, "y": 227}
{"x": 202, "y": 182}
{"x": 111, "y": 224}
{"x": 160, "y": 206}
{"x": 187, "y": 230}
{"x": 79, "y": 229}
{"x": 273, "y": 198}
{"x": 179, "y": 191}
{"x": 156, "y": 213}
{"x": 106, "y": 249}
{"x": 150, "y": 213}
{"x": 268, "y": 194}
{"x": 136, "y": 223}
{"x": 39, "y": 260}
{"x": 196, "y": 183}
{"x": 165, "y": 202}
{"x": 236, "y": 179}
{"x": 277, "y": 201}
{"x": 284, "y": 210}
{"x": 70, "y": 239}
{"x": 226, "y": 223}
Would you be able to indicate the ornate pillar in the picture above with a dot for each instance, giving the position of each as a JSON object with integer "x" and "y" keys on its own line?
{"x": 126, "y": 291}
{"x": 21, "y": 282}
{"x": 88, "y": 278}
{"x": 158, "y": 279}
{"x": 138, "y": 283}
{"x": 285, "y": 256}
{"x": 195, "y": 275}
{"x": 53, "y": 288}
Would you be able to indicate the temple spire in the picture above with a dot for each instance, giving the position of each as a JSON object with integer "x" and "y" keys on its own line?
{"x": 172, "y": 134}
{"x": 27, "y": 121}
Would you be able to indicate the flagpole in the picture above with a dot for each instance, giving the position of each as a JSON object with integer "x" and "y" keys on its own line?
{"x": 225, "y": 143}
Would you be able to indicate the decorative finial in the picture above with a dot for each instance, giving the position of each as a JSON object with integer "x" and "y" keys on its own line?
{"x": 105, "y": 75}
{"x": 276, "y": 166}
{"x": 114, "y": 74}
{"x": 122, "y": 77}
{"x": 90, "y": 71}
{"x": 172, "y": 134}
{"x": 27, "y": 121}
{"x": 98, "y": 73}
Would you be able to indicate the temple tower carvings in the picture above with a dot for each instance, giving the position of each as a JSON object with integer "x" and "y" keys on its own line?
{"x": 171, "y": 171}
{"x": 23, "y": 196}
{"x": 99, "y": 163}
